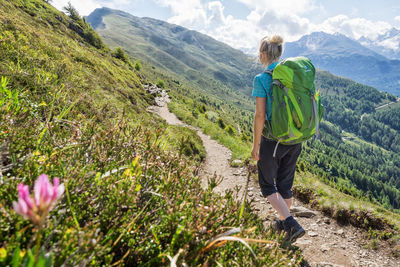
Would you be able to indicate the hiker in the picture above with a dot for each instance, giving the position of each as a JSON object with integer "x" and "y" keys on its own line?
{"x": 276, "y": 162}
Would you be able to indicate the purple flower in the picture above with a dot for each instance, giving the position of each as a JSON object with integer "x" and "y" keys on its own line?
{"x": 45, "y": 195}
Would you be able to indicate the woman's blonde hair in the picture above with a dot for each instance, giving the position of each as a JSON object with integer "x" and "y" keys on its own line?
{"x": 272, "y": 47}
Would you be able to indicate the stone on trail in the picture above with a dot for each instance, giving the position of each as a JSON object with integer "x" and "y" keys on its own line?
{"x": 340, "y": 232}
{"x": 236, "y": 163}
{"x": 325, "y": 264}
{"x": 302, "y": 212}
{"x": 303, "y": 241}
{"x": 237, "y": 173}
{"x": 324, "y": 248}
{"x": 312, "y": 234}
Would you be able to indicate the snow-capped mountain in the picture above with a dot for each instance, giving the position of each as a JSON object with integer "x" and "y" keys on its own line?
{"x": 346, "y": 57}
{"x": 387, "y": 44}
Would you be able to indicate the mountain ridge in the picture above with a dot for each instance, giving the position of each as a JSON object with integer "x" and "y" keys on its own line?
{"x": 346, "y": 57}
{"x": 176, "y": 48}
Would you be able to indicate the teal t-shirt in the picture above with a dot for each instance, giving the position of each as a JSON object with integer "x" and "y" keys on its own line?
{"x": 261, "y": 88}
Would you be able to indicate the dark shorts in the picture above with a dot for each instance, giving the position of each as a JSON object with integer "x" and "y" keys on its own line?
{"x": 277, "y": 174}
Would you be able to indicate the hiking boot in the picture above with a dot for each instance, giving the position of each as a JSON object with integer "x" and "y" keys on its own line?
{"x": 277, "y": 226}
{"x": 293, "y": 229}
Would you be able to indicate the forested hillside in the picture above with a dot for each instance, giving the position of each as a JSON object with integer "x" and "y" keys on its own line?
{"x": 359, "y": 150}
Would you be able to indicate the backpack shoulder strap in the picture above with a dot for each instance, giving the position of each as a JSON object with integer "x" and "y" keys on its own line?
{"x": 270, "y": 88}
{"x": 269, "y": 72}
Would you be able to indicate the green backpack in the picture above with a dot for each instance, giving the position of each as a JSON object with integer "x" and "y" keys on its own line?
{"x": 296, "y": 106}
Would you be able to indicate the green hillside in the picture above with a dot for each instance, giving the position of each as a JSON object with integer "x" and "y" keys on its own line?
{"x": 72, "y": 108}
{"x": 211, "y": 65}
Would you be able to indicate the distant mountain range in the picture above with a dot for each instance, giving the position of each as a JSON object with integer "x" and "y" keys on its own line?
{"x": 346, "y": 57}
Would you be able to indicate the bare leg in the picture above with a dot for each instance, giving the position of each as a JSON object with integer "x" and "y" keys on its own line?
{"x": 289, "y": 202}
{"x": 279, "y": 204}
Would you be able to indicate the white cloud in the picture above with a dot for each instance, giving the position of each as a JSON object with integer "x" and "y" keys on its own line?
{"x": 270, "y": 21}
{"x": 216, "y": 14}
{"x": 188, "y": 13}
{"x": 235, "y": 32}
{"x": 246, "y": 33}
{"x": 285, "y": 17}
{"x": 282, "y": 6}
{"x": 353, "y": 27}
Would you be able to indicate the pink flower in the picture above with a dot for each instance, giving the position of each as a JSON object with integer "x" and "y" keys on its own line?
{"x": 45, "y": 196}
{"x": 45, "y": 192}
{"x": 25, "y": 203}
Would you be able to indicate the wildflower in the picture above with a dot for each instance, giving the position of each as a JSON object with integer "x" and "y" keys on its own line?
{"x": 3, "y": 254}
{"x": 45, "y": 195}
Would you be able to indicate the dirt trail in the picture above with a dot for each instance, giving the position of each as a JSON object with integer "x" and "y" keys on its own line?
{"x": 325, "y": 243}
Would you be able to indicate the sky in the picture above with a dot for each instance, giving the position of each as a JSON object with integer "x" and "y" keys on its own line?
{"x": 242, "y": 23}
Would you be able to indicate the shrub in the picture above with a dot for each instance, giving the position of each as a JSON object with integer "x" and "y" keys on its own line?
{"x": 160, "y": 83}
{"x": 212, "y": 116}
{"x": 202, "y": 109}
{"x": 195, "y": 113}
{"x": 230, "y": 130}
{"x": 92, "y": 37}
{"x": 138, "y": 66}
{"x": 221, "y": 123}
{"x": 121, "y": 54}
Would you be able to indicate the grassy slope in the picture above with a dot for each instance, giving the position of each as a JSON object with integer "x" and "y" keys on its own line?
{"x": 333, "y": 200}
{"x": 75, "y": 112}
{"x": 380, "y": 225}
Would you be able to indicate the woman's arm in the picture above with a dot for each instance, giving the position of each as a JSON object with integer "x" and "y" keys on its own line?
{"x": 259, "y": 119}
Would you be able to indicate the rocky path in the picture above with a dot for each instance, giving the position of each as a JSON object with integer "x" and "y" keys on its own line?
{"x": 325, "y": 243}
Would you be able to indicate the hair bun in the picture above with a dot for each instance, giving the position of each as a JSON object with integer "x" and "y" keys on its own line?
{"x": 276, "y": 39}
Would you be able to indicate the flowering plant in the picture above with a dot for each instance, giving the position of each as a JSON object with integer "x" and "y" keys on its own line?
{"x": 36, "y": 209}
{"x": 45, "y": 195}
